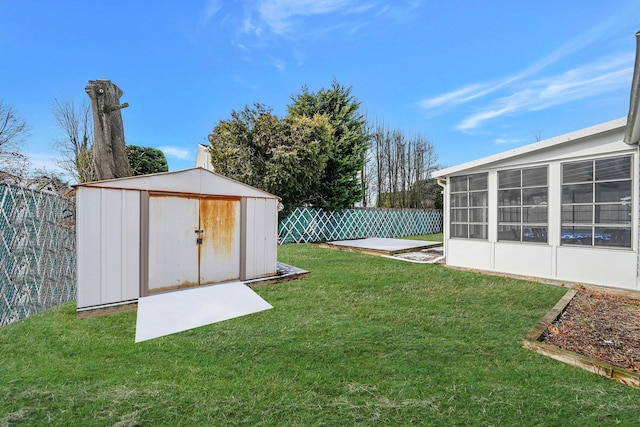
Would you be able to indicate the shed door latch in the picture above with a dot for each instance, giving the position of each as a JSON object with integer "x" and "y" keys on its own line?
{"x": 199, "y": 239}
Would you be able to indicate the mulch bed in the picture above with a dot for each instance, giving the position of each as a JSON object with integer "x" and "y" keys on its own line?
{"x": 600, "y": 326}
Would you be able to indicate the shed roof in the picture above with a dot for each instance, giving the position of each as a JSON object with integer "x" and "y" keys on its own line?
{"x": 191, "y": 181}
{"x": 557, "y": 141}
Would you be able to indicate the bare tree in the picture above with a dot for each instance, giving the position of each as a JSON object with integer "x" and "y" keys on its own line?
{"x": 401, "y": 165}
{"x": 537, "y": 135}
{"x": 13, "y": 130}
{"x": 74, "y": 148}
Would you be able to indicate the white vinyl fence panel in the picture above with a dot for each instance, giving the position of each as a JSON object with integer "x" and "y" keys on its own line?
{"x": 308, "y": 225}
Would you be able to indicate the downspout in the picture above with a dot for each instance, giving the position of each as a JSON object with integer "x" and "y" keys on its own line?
{"x": 632, "y": 136}
{"x": 443, "y": 184}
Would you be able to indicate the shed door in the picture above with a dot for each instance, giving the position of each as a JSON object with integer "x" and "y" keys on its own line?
{"x": 192, "y": 241}
{"x": 220, "y": 249}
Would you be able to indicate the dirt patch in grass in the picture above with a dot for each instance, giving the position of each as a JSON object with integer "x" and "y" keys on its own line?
{"x": 600, "y": 326}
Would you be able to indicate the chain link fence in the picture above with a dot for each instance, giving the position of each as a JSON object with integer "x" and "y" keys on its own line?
{"x": 37, "y": 252}
{"x": 308, "y": 225}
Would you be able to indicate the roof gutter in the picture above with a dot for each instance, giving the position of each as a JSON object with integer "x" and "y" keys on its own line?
{"x": 632, "y": 132}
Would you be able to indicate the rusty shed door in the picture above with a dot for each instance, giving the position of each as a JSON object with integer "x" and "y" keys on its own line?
{"x": 220, "y": 249}
{"x": 192, "y": 241}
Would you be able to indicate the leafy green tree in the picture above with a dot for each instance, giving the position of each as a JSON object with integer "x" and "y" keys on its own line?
{"x": 426, "y": 193}
{"x": 298, "y": 161}
{"x": 85, "y": 165}
{"x": 285, "y": 157}
{"x": 146, "y": 160}
{"x": 235, "y": 150}
{"x": 340, "y": 185}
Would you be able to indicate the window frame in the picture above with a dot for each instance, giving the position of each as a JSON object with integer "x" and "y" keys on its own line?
{"x": 463, "y": 207}
{"x": 528, "y": 231}
{"x": 591, "y": 231}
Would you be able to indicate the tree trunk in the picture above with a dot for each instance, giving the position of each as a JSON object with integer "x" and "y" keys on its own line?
{"x": 109, "y": 153}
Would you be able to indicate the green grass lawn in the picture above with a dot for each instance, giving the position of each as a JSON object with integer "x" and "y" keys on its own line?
{"x": 365, "y": 341}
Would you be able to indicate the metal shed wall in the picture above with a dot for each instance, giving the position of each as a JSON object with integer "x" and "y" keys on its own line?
{"x": 108, "y": 237}
{"x": 260, "y": 231}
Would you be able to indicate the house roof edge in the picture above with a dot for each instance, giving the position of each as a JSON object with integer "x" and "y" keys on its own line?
{"x": 541, "y": 145}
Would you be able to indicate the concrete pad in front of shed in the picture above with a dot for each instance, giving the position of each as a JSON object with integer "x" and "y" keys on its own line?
{"x": 177, "y": 311}
{"x": 378, "y": 245}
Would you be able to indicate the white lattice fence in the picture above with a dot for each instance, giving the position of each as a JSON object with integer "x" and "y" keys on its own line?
{"x": 307, "y": 225}
{"x": 37, "y": 252}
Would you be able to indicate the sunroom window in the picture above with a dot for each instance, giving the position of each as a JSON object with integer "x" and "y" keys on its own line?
{"x": 596, "y": 202}
{"x": 468, "y": 211}
{"x": 523, "y": 205}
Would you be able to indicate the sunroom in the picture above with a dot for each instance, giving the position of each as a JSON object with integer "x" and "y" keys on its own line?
{"x": 564, "y": 209}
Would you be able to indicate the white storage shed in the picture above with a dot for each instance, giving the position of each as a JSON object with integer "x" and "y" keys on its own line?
{"x": 147, "y": 234}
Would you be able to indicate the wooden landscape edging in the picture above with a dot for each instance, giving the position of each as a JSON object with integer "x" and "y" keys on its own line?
{"x": 533, "y": 341}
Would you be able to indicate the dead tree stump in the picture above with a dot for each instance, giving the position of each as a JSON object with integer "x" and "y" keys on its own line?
{"x": 109, "y": 152}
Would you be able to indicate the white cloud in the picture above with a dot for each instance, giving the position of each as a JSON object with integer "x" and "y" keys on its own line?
{"x": 509, "y": 141}
{"x": 456, "y": 97}
{"x": 211, "y": 7}
{"x": 276, "y": 62}
{"x": 605, "y": 75}
{"x": 277, "y": 14}
{"x": 176, "y": 152}
{"x": 249, "y": 27}
{"x": 285, "y": 26}
{"x": 474, "y": 91}
{"x": 284, "y": 17}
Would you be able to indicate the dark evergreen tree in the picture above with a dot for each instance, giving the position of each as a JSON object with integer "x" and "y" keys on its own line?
{"x": 340, "y": 185}
{"x": 285, "y": 157}
{"x": 146, "y": 160}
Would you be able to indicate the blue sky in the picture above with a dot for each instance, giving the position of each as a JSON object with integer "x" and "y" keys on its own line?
{"x": 475, "y": 77}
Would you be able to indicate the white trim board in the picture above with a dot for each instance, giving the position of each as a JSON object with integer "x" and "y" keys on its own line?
{"x": 571, "y": 137}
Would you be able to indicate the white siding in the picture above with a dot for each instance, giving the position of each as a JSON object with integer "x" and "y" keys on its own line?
{"x": 598, "y": 266}
{"x": 88, "y": 247}
{"x": 525, "y": 259}
{"x": 469, "y": 253}
{"x": 261, "y": 237}
{"x": 108, "y": 236}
